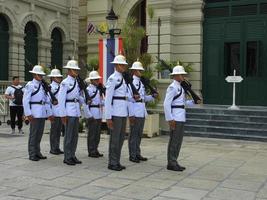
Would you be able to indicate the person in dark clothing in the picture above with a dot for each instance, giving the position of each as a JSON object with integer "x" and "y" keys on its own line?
{"x": 14, "y": 94}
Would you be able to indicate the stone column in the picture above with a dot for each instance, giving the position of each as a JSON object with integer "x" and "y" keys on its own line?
{"x": 44, "y": 51}
{"x": 16, "y": 55}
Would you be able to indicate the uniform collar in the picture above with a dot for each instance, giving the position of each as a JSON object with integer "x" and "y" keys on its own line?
{"x": 92, "y": 85}
{"x": 136, "y": 77}
{"x": 117, "y": 73}
{"x": 35, "y": 81}
{"x": 71, "y": 78}
{"x": 176, "y": 82}
{"x": 54, "y": 83}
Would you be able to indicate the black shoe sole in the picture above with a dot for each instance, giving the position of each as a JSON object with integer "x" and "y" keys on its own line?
{"x": 34, "y": 159}
{"x": 54, "y": 153}
{"x": 174, "y": 169}
{"x": 93, "y": 156}
{"x": 134, "y": 160}
{"x": 68, "y": 163}
{"x": 115, "y": 168}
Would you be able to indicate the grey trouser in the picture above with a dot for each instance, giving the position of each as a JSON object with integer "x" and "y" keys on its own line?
{"x": 35, "y": 136}
{"x": 116, "y": 139}
{"x": 136, "y": 132}
{"x": 55, "y": 132}
{"x": 93, "y": 135}
{"x": 71, "y": 137}
{"x": 175, "y": 143}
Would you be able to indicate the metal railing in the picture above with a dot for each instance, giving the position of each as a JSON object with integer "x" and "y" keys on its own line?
{"x": 3, "y": 105}
{"x": 3, "y": 86}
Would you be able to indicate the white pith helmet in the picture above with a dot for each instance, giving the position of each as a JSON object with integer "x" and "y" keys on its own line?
{"x": 137, "y": 66}
{"x": 55, "y": 73}
{"x": 119, "y": 59}
{"x": 37, "y": 69}
{"x": 93, "y": 75}
{"x": 178, "y": 70}
{"x": 72, "y": 64}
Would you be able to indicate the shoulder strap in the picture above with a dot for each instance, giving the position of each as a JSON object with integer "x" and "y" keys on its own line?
{"x": 13, "y": 87}
{"x": 34, "y": 93}
{"x": 70, "y": 90}
{"x": 178, "y": 95}
{"x": 16, "y": 88}
{"x": 55, "y": 93}
{"x": 117, "y": 86}
{"x": 94, "y": 95}
{"x": 139, "y": 86}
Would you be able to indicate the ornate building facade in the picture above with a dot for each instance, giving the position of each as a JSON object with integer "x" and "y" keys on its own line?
{"x": 217, "y": 36}
{"x": 180, "y": 31}
{"x": 36, "y": 31}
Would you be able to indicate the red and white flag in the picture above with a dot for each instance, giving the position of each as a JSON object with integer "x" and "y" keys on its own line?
{"x": 108, "y": 48}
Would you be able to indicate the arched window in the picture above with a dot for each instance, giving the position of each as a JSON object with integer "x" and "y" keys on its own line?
{"x": 4, "y": 48}
{"x": 57, "y": 49}
{"x": 31, "y": 48}
{"x": 139, "y": 13}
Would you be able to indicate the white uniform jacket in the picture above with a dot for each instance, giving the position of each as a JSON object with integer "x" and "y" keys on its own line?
{"x": 35, "y": 101}
{"x": 117, "y": 96}
{"x": 138, "y": 108}
{"x": 175, "y": 90}
{"x": 70, "y": 98}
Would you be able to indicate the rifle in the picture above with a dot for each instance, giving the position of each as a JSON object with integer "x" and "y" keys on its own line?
{"x": 146, "y": 83}
{"x": 187, "y": 88}
{"x": 129, "y": 80}
{"x": 83, "y": 86}
{"x": 47, "y": 90}
{"x": 101, "y": 89}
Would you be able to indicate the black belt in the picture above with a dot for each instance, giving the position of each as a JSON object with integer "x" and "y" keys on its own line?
{"x": 140, "y": 101}
{"x": 37, "y": 102}
{"x": 119, "y": 98}
{"x": 94, "y": 106}
{"x": 72, "y": 100}
{"x": 178, "y": 106}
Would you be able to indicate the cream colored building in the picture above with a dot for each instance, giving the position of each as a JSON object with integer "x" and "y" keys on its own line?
{"x": 41, "y": 31}
{"x": 180, "y": 31}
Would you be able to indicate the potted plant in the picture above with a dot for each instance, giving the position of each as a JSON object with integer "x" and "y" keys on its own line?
{"x": 132, "y": 36}
{"x": 165, "y": 67}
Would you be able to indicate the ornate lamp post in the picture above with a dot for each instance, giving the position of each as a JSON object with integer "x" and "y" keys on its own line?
{"x": 112, "y": 20}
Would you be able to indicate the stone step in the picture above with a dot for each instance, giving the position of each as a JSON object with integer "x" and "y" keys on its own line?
{"x": 237, "y": 118}
{"x": 222, "y": 110}
{"x": 226, "y": 136}
{"x": 226, "y": 123}
{"x": 227, "y": 130}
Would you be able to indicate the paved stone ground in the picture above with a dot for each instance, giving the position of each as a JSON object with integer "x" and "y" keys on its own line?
{"x": 216, "y": 170}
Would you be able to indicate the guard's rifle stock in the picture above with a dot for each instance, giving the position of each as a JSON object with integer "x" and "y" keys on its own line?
{"x": 47, "y": 90}
{"x": 102, "y": 89}
{"x": 187, "y": 87}
{"x": 83, "y": 86}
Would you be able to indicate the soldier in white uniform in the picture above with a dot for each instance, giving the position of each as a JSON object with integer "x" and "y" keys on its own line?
{"x": 56, "y": 124}
{"x": 70, "y": 98}
{"x": 36, "y": 108}
{"x": 174, "y": 109}
{"x": 95, "y": 109}
{"x": 137, "y": 114}
{"x": 116, "y": 111}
